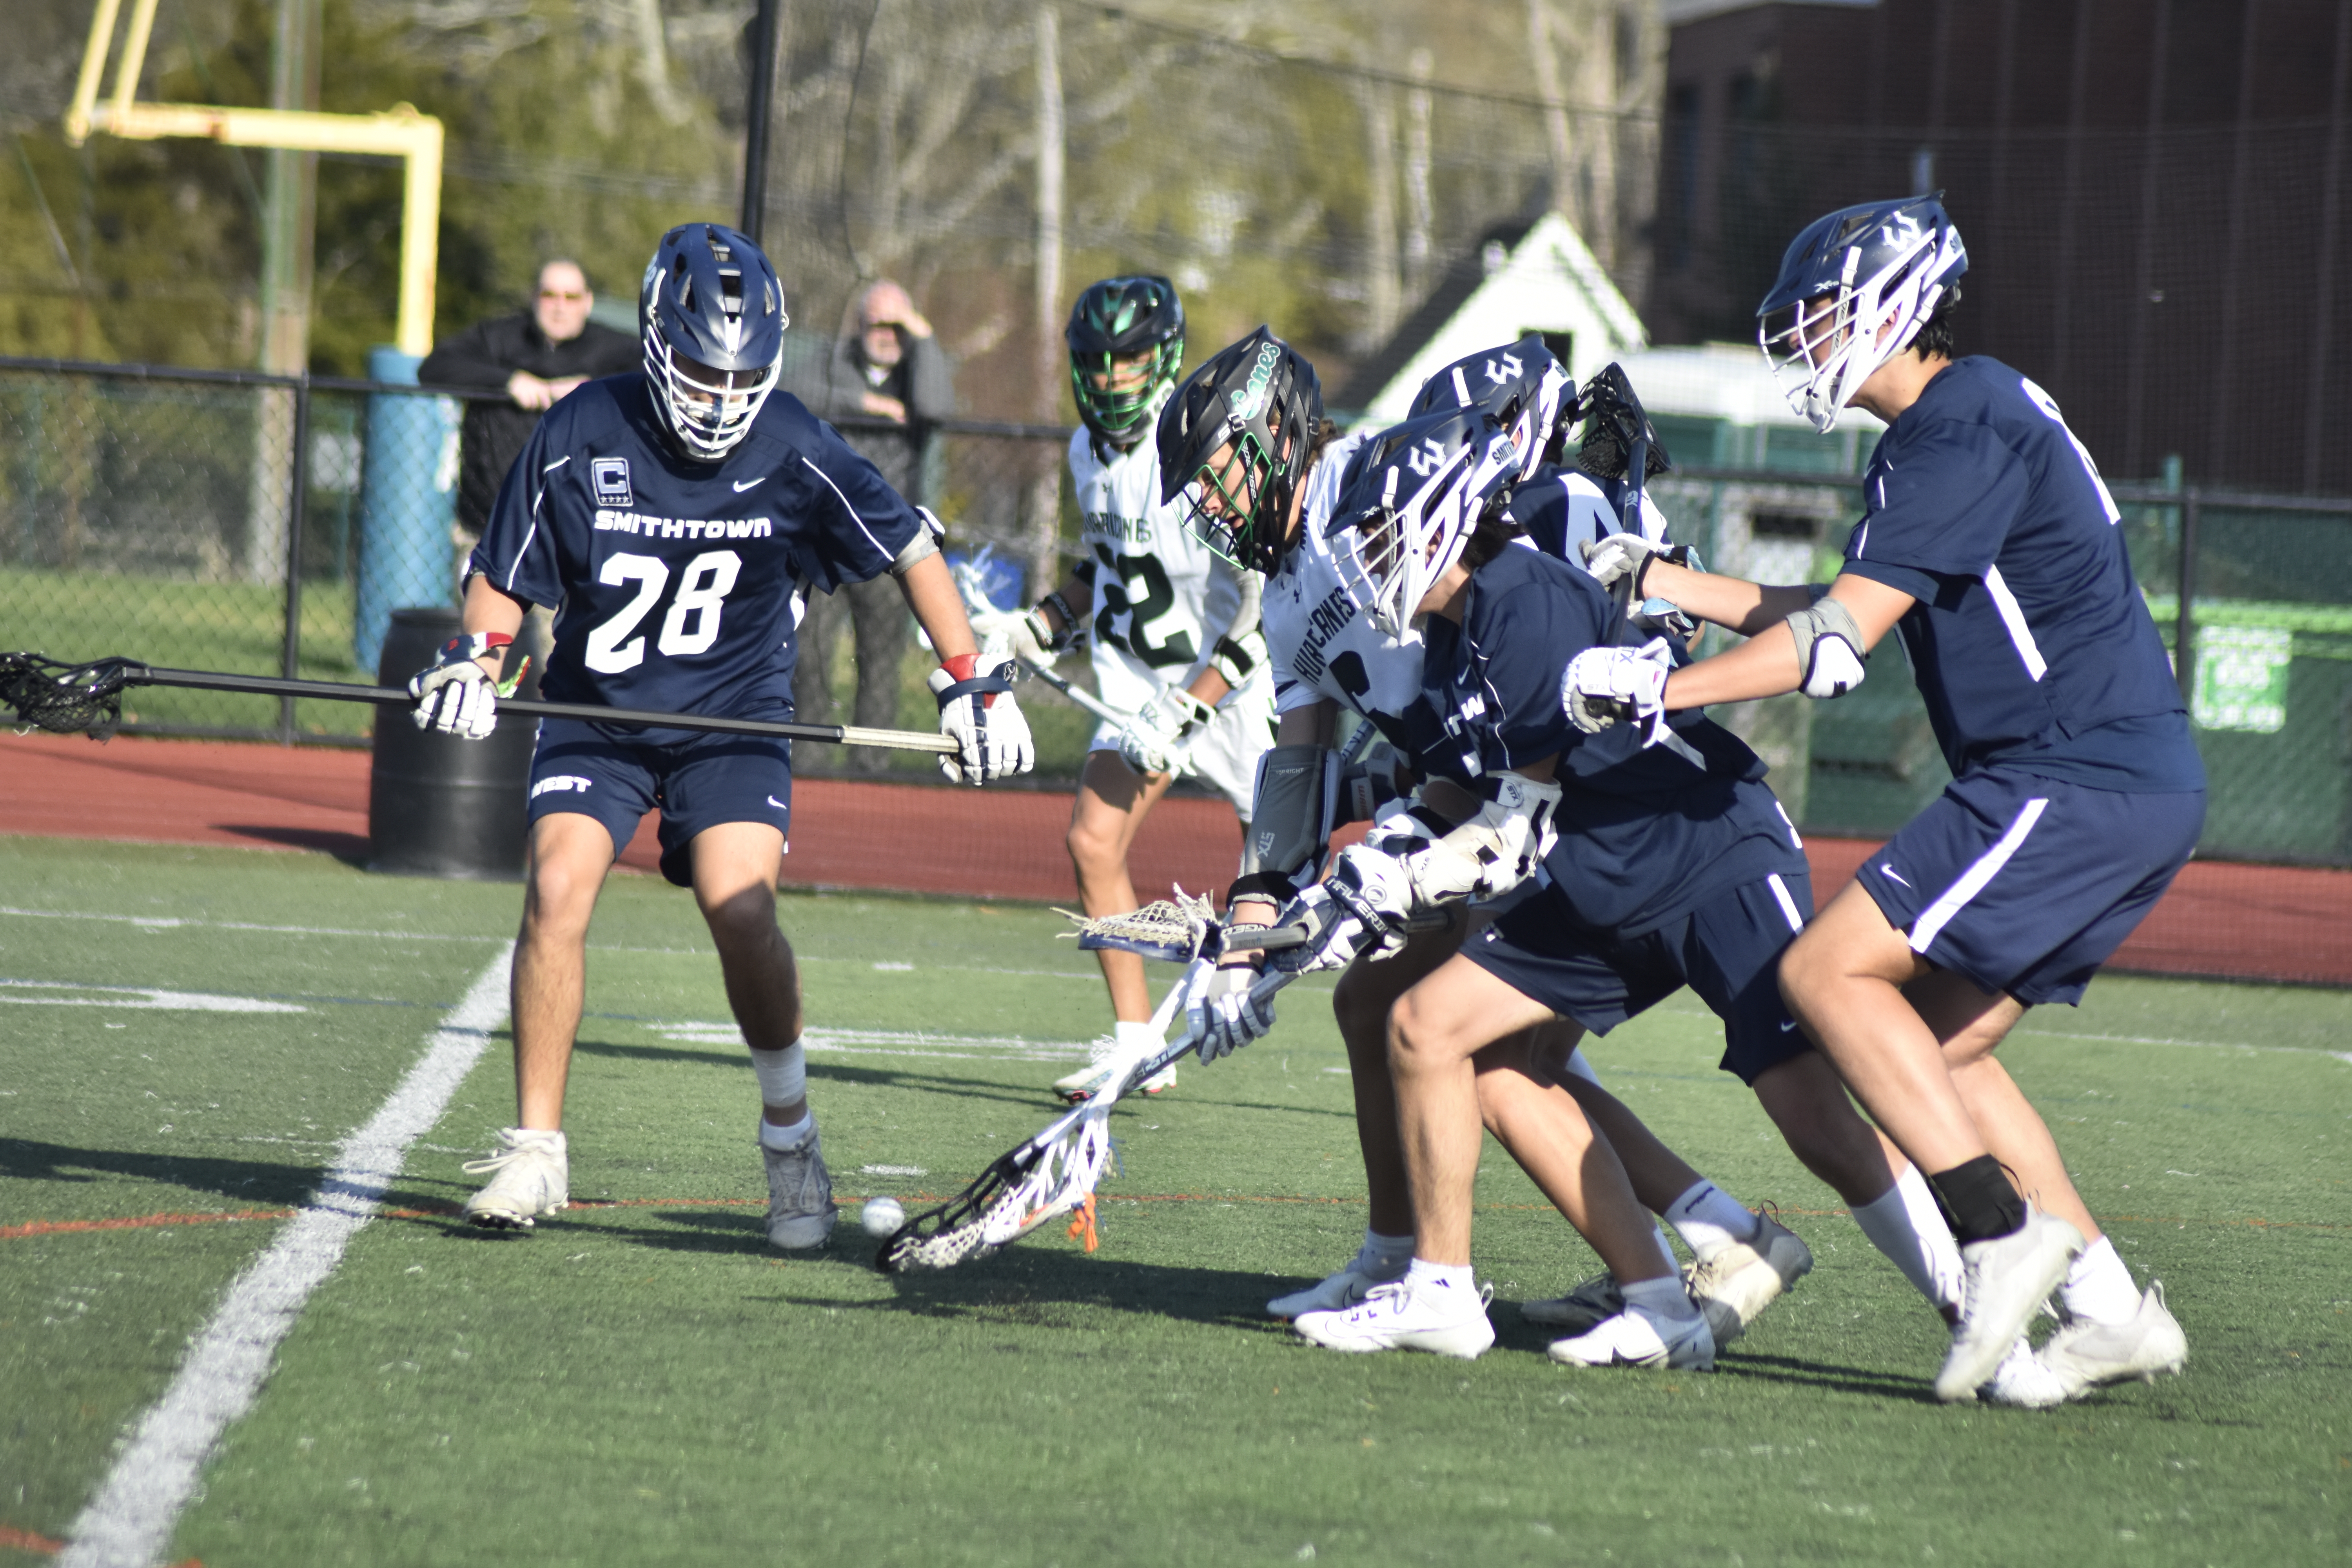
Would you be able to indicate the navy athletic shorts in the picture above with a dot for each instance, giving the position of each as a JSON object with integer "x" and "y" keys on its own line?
{"x": 1727, "y": 949}
{"x": 695, "y": 780}
{"x": 2026, "y": 884}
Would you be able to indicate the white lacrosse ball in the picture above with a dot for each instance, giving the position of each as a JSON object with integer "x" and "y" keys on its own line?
{"x": 883, "y": 1216}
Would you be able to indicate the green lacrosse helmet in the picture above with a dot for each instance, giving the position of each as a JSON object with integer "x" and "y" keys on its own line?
{"x": 1116, "y": 318}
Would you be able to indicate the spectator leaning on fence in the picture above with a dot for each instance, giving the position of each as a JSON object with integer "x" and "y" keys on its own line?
{"x": 535, "y": 357}
{"x": 888, "y": 366}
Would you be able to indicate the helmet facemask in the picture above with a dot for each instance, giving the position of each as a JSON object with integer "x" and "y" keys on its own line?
{"x": 1824, "y": 341}
{"x": 1238, "y": 502}
{"x": 1121, "y": 414}
{"x": 1234, "y": 442}
{"x": 710, "y": 295}
{"x": 1409, "y": 514}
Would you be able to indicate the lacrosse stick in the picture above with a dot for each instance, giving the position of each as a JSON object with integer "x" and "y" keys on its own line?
{"x": 1056, "y": 1170}
{"x": 977, "y": 601}
{"x": 71, "y": 700}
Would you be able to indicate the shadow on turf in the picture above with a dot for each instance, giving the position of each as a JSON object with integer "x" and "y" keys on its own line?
{"x": 353, "y": 849}
{"x": 246, "y": 1181}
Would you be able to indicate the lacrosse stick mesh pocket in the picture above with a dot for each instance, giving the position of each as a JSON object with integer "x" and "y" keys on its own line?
{"x": 65, "y": 700}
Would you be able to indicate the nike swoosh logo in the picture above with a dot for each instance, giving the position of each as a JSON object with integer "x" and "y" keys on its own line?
{"x": 1891, "y": 874}
{"x": 1789, "y": 1025}
{"x": 742, "y": 485}
{"x": 779, "y": 805}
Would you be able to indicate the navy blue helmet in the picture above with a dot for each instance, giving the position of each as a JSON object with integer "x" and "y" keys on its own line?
{"x": 1522, "y": 387}
{"x": 1854, "y": 289}
{"x": 712, "y": 318}
{"x": 1409, "y": 501}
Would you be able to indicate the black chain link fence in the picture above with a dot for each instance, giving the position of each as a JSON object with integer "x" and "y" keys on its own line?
{"x": 268, "y": 526}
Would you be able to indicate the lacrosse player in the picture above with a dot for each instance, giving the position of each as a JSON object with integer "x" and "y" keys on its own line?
{"x": 1226, "y": 434}
{"x": 1988, "y": 541}
{"x": 1172, "y": 627}
{"x": 678, "y": 518}
{"x": 1746, "y": 1261}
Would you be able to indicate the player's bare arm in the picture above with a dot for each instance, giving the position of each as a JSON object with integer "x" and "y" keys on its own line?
{"x": 1767, "y": 665}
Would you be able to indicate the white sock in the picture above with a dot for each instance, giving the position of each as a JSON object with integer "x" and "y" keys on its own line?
{"x": 1708, "y": 1220}
{"x": 1666, "y": 1250}
{"x": 1456, "y": 1280}
{"x": 782, "y": 1075}
{"x": 2098, "y": 1286}
{"x": 1137, "y": 1036}
{"x": 1905, "y": 1224}
{"x": 1660, "y": 1298}
{"x": 1383, "y": 1257}
{"x": 784, "y": 1138}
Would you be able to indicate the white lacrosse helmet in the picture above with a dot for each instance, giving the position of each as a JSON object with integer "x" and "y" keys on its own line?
{"x": 1854, "y": 289}
{"x": 1408, "y": 504}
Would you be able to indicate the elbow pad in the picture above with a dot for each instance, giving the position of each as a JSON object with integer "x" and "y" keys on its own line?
{"x": 1828, "y": 648}
{"x": 925, "y": 544}
{"x": 1290, "y": 822}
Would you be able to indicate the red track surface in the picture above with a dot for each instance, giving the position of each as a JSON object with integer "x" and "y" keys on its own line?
{"x": 2254, "y": 922}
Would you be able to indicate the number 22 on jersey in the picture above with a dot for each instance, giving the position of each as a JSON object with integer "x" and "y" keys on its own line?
{"x": 1136, "y": 586}
{"x": 690, "y": 627}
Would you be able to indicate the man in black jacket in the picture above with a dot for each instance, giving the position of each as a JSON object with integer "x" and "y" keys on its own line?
{"x": 535, "y": 357}
{"x": 888, "y": 366}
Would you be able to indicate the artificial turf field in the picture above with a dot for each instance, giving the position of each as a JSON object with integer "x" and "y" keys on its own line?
{"x": 640, "y": 1380}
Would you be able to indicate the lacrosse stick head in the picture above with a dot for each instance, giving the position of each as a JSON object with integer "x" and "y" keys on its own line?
{"x": 1050, "y": 1175}
{"x": 1173, "y": 930}
{"x": 63, "y": 698}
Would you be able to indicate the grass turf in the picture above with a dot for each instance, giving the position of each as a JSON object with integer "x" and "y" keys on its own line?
{"x": 641, "y": 1381}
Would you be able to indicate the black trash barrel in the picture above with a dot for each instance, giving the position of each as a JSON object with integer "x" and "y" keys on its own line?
{"x": 440, "y": 805}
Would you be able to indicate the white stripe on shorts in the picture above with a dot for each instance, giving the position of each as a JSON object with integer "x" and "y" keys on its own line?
{"x": 1788, "y": 904}
{"x": 1973, "y": 881}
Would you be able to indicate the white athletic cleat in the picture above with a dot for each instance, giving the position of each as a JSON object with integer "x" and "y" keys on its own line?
{"x": 1587, "y": 1306}
{"x": 532, "y": 1177}
{"x": 1163, "y": 1080}
{"x": 2002, "y": 1283}
{"x": 1395, "y": 1316}
{"x": 800, "y": 1195}
{"x": 1735, "y": 1286}
{"x": 1636, "y": 1337}
{"x": 1337, "y": 1293}
{"x": 2022, "y": 1382}
{"x": 2086, "y": 1355}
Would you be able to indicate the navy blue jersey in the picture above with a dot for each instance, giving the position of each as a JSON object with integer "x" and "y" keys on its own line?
{"x": 677, "y": 581}
{"x": 1563, "y": 509}
{"x": 1645, "y": 833}
{"x": 2028, "y": 639}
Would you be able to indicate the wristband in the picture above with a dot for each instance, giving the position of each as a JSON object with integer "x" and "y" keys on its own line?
{"x": 473, "y": 645}
{"x": 961, "y": 666}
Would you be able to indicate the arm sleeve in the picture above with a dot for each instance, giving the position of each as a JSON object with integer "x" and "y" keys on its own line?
{"x": 469, "y": 359}
{"x": 856, "y": 523}
{"x": 520, "y": 549}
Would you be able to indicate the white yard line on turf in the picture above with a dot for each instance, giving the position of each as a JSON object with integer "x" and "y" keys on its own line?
{"x": 166, "y": 923}
{"x": 129, "y": 1521}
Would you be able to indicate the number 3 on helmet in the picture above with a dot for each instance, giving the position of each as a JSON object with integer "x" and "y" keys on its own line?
{"x": 711, "y": 316}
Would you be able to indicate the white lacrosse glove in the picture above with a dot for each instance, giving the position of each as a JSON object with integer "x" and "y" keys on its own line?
{"x": 1375, "y": 890}
{"x": 1630, "y": 555}
{"x": 978, "y": 713}
{"x": 456, "y": 695}
{"x": 1157, "y": 739}
{"x": 1223, "y": 1017}
{"x": 1023, "y": 634}
{"x": 1334, "y": 935}
{"x": 1604, "y": 685}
